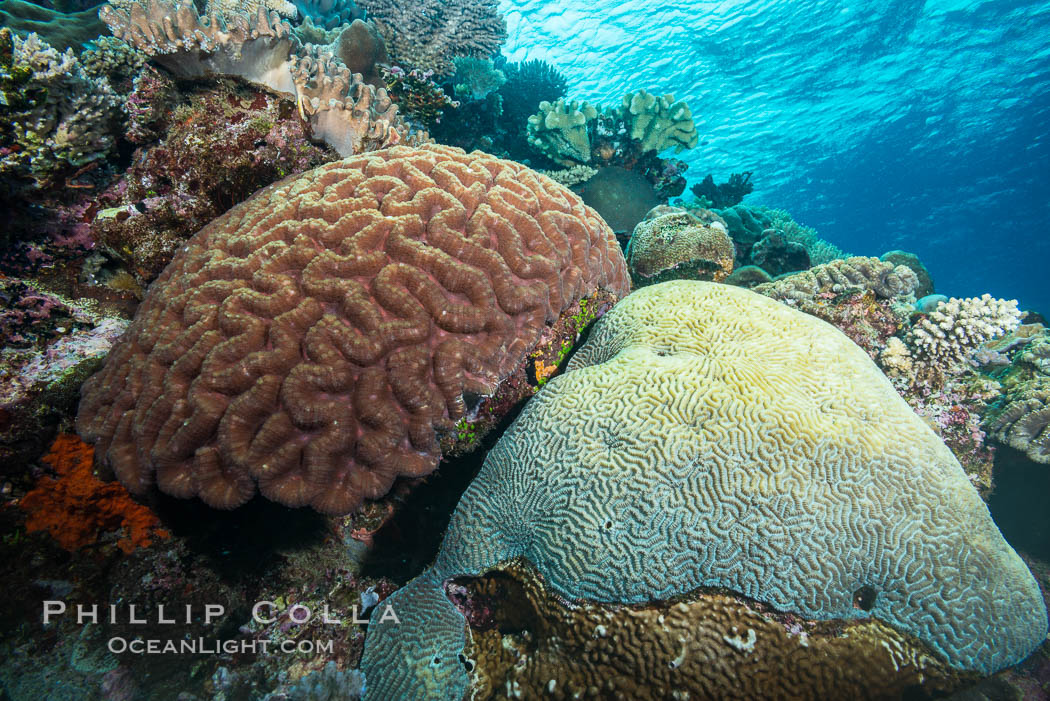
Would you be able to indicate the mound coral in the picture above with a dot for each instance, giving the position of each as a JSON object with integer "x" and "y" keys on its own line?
{"x": 76, "y": 508}
{"x": 311, "y": 340}
{"x": 677, "y": 245}
{"x": 428, "y": 34}
{"x": 705, "y": 436}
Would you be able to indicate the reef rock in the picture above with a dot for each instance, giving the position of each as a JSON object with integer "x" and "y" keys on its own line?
{"x": 705, "y": 436}
{"x": 310, "y": 341}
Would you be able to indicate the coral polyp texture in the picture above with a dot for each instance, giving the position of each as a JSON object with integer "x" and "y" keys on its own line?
{"x": 955, "y": 329}
{"x": 1023, "y": 420}
{"x": 522, "y": 637}
{"x": 885, "y": 280}
{"x": 677, "y": 245}
{"x": 308, "y": 342}
{"x": 429, "y": 34}
{"x": 706, "y": 436}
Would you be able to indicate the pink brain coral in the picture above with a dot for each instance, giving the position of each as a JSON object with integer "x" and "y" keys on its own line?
{"x": 308, "y": 342}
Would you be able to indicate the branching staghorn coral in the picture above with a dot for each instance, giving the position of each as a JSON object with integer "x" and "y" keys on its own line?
{"x": 429, "y": 34}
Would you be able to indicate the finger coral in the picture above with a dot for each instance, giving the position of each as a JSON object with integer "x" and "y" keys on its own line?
{"x": 308, "y": 342}
{"x": 706, "y": 436}
{"x": 77, "y": 507}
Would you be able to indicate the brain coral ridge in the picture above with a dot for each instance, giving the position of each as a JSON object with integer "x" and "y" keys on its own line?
{"x": 707, "y": 436}
{"x": 309, "y": 341}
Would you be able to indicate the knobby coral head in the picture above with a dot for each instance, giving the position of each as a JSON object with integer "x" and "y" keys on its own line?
{"x": 308, "y": 343}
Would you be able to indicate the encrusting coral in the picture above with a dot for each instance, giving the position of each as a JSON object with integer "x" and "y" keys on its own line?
{"x": 884, "y": 279}
{"x": 678, "y": 246}
{"x": 706, "y": 436}
{"x": 709, "y": 644}
{"x": 311, "y": 340}
{"x": 76, "y": 507}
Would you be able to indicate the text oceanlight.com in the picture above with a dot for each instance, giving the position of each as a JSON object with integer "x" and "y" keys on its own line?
{"x": 263, "y": 613}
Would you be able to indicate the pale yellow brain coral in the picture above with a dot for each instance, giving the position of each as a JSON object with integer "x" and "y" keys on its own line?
{"x": 708, "y": 436}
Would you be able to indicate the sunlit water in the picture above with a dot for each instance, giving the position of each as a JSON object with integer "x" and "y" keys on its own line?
{"x": 893, "y": 124}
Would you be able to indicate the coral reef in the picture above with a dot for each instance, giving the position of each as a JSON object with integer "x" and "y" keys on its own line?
{"x": 778, "y": 256}
{"x": 55, "y": 118}
{"x": 115, "y": 60}
{"x": 395, "y": 288}
{"x": 749, "y": 224}
{"x": 723, "y": 195}
{"x": 912, "y": 261}
{"x": 224, "y": 143}
{"x": 644, "y": 488}
{"x": 708, "y": 644}
{"x": 678, "y": 246}
{"x": 528, "y": 84}
{"x": 429, "y": 34}
{"x": 417, "y": 95}
{"x": 76, "y": 507}
{"x": 948, "y": 336}
{"x": 48, "y": 346}
{"x": 1022, "y": 420}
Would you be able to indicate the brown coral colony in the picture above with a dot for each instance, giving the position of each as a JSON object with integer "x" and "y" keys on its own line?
{"x": 309, "y": 342}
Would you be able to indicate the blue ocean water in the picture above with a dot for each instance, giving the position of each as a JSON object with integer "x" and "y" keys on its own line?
{"x": 911, "y": 124}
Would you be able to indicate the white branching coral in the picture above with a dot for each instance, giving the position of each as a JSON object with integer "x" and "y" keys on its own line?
{"x": 953, "y": 331}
